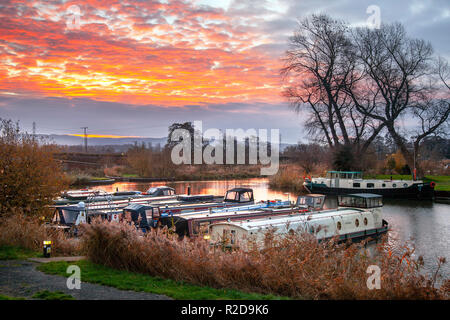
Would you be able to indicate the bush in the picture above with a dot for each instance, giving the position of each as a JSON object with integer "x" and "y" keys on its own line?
{"x": 29, "y": 177}
{"x": 296, "y": 266}
{"x": 287, "y": 178}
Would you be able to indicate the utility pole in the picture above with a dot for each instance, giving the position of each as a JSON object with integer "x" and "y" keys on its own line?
{"x": 85, "y": 138}
{"x": 34, "y": 131}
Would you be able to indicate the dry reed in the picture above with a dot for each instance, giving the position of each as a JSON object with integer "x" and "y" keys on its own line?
{"x": 296, "y": 266}
{"x": 29, "y": 232}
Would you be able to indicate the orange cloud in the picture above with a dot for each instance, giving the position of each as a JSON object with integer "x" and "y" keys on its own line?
{"x": 171, "y": 54}
{"x": 106, "y": 136}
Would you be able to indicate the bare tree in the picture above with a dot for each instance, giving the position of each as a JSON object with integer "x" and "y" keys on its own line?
{"x": 319, "y": 68}
{"x": 396, "y": 80}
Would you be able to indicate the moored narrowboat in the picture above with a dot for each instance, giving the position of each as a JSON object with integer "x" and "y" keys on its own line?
{"x": 347, "y": 182}
{"x": 358, "y": 217}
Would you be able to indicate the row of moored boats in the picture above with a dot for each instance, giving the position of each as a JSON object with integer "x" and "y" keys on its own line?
{"x": 231, "y": 220}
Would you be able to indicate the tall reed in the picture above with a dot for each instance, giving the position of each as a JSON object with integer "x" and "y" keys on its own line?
{"x": 18, "y": 229}
{"x": 296, "y": 265}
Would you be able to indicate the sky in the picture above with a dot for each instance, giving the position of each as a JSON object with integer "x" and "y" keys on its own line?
{"x": 133, "y": 67}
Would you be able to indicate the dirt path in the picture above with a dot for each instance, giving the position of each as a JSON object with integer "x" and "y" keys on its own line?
{"x": 20, "y": 278}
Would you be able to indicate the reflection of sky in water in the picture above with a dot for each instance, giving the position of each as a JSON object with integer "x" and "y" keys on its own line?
{"x": 425, "y": 224}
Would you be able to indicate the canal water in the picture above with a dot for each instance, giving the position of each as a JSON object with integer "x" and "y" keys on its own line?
{"x": 424, "y": 224}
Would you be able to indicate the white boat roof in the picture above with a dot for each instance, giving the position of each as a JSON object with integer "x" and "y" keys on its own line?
{"x": 260, "y": 223}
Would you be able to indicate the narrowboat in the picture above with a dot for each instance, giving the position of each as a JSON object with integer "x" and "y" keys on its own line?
{"x": 196, "y": 223}
{"x": 100, "y": 196}
{"x": 358, "y": 217}
{"x": 69, "y": 218}
{"x": 348, "y": 182}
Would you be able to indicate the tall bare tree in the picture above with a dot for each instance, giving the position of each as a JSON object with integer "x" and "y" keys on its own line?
{"x": 397, "y": 80}
{"x": 319, "y": 68}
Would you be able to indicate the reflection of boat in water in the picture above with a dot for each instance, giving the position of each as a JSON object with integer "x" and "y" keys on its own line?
{"x": 358, "y": 217}
{"x": 347, "y": 182}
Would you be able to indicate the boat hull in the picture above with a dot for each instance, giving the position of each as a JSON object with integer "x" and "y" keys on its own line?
{"x": 424, "y": 191}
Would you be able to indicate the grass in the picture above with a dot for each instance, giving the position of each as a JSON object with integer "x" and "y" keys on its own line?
{"x": 52, "y": 295}
{"x": 16, "y": 253}
{"x": 442, "y": 182}
{"x": 4, "y": 297}
{"x": 130, "y": 175}
{"x": 125, "y": 280}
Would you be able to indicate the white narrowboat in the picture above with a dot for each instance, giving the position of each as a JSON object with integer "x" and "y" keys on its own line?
{"x": 358, "y": 216}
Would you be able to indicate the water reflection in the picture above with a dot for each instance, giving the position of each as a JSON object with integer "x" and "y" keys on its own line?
{"x": 424, "y": 223}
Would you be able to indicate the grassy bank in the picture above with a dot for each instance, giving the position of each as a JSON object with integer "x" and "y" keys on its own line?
{"x": 125, "y": 280}
{"x": 16, "y": 253}
{"x": 5, "y": 297}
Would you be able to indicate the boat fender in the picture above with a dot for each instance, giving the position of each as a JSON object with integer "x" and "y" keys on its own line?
{"x": 432, "y": 184}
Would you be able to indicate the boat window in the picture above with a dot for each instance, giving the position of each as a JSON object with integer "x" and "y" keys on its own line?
{"x": 233, "y": 236}
{"x": 370, "y": 185}
{"x": 245, "y": 196}
{"x": 204, "y": 227}
{"x": 166, "y": 192}
{"x": 405, "y": 185}
{"x": 339, "y": 225}
{"x": 232, "y": 195}
{"x": 356, "y": 185}
{"x": 225, "y": 235}
{"x": 70, "y": 216}
{"x": 365, "y": 221}
{"x": 394, "y": 185}
{"x": 383, "y": 185}
{"x": 357, "y": 223}
{"x": 156, "y": 213}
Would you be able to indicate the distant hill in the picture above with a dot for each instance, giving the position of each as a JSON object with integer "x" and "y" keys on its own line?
{"x": 66, "y": 140}
{"x": 62, "y": 139}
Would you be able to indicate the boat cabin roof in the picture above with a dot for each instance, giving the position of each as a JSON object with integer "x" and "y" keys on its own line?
{"x": 345, "y": 171}
{"x": 240, "y": 190}
{"x": 135, "y": 207}
{"x": 360, "y": 200}
{"x": 256, "y": 224}
{"x": 364, "y": 195}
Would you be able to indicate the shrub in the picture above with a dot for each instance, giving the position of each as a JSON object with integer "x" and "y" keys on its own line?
{"x": 29, "y": 177}
{"x": 296, "y": 266}
{"x": 287, "y": 178}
